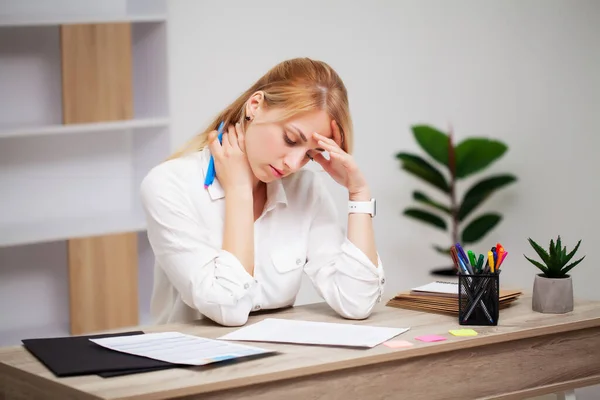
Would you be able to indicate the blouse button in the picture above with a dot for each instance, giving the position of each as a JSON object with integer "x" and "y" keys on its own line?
{"x": 246, "y": 286}
{"x": 382, "y": 281}
{"x": 298, "y": 261}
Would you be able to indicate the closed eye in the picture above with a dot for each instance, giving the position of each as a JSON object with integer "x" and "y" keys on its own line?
{"x": 287, "y": 139}
{"x": 290, "y": 143}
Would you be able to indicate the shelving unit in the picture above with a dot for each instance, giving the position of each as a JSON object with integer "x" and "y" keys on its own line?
{"x": 72, "y": 157}
{"x": 60, "y": 12}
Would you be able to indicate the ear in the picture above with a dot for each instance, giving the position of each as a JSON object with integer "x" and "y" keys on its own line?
{"x": 254, "y": 103}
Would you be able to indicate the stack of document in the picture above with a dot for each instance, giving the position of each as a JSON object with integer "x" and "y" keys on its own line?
{"x": 179, "y": 348}
{"x": 441, "y": 297}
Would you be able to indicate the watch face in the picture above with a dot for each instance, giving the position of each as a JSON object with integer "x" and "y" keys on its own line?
{"x": 374, "y": 207}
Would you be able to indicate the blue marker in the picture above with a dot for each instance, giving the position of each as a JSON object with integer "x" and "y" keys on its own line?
{"x": 463, "y": 257}
{"x": 210, "y": 174}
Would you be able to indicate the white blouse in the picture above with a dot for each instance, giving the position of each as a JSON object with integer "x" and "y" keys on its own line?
{"x": 297, "y": 232}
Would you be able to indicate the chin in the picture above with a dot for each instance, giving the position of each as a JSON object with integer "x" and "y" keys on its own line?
{"x": 262, "y": 175}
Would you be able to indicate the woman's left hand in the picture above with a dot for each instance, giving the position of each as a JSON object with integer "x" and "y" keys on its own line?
{"x": 340, "y": 165}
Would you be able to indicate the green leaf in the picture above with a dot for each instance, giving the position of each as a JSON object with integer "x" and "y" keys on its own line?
{"x": 553, "y": 265}
{"x": 433, "y": 142}
{"x": 475, "y": 154}
{"x": 540, "y": 251}
{"x": 423, "y": 198}
{"x": 570, "y": 266}
{"x": 537, "y": 264}
{"x": 479, "y": 227}
{"x": 424, "y": 170}
{"x": 443, "y": 250}
{"x": 479, "y": 192}
{"x": 426, "y": 216}
{"x": 568, "y": 257}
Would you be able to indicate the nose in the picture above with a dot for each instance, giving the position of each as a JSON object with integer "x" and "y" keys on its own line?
{"x": 295, "y": 160}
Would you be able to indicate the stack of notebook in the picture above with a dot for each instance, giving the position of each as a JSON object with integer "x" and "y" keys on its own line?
{"x": 441, "y": 297}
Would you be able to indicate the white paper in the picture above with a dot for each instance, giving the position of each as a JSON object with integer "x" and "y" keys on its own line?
{"x": 178, "y": 348}
{"x": 309, "y": 332}
{"x": 441, "y": 287}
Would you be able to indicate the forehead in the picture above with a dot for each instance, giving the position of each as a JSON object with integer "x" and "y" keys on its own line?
{"x": 314, "y": 121}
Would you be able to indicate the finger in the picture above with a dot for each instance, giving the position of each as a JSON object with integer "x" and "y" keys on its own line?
{"x": 323, "y": 162}
{"x": 344, "y": 159}
{"x": 320, "y": 158}
{"x": 213, "y": 144}
{"x": 327, "y": 143}
{"x": 330, "y": 146}
{"x": 212, "y": 136}
{"x": 240, "y": 137}
{"x": 337, "y": 134}
{"x": 232, "y": 136}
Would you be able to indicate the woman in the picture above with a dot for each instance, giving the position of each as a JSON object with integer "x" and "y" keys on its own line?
{"x": 242, "y": 243}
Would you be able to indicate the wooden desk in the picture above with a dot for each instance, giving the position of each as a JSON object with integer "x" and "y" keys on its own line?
{"x": 528, "y": 354}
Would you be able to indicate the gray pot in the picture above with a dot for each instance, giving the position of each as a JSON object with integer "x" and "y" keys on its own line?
{"x": 552, "y": 295}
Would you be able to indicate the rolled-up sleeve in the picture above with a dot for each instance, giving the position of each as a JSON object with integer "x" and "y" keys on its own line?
{"x": 209, "y": 279}
{"x": 340, "y": 272}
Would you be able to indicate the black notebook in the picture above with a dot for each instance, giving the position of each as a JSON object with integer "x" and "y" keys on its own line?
{"x": 76, "y": 355}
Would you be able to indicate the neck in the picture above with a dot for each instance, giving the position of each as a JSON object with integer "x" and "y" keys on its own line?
{"x": 257, "y": 187}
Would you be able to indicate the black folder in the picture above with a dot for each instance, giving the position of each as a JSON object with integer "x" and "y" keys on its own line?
{"x": 77, "y": 355}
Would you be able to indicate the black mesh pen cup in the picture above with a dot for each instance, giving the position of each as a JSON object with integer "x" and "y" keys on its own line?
{"x": 478, "y": 299}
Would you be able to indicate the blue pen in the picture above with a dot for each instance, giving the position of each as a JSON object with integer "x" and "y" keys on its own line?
{"x": 463, "y": 266}
{"x": 463, "y": 257}
{"x": 210, "y": 174}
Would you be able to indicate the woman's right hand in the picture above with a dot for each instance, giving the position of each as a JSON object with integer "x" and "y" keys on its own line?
{"x": 231, "y": 164}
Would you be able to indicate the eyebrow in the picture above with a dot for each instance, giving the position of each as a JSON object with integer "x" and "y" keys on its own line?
{"x": 303, "y": 137}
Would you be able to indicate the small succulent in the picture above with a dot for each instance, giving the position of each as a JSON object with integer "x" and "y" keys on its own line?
{"x": 555, "y": 259}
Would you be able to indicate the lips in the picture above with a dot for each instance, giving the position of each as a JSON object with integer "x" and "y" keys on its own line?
{"x": 276, "y": 172}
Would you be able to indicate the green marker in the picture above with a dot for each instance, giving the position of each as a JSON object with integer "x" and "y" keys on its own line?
{"x": 471, "y": 258}
{"x": 480, "y": 263}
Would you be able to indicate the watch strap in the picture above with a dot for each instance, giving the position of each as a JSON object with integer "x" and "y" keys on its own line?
{"x": 362, "y": 207}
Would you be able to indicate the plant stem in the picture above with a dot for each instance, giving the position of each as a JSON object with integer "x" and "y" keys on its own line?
{"x": 452, "y": 168}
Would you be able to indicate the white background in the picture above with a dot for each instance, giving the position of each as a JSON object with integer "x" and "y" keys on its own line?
{"x": 525, "y": 72}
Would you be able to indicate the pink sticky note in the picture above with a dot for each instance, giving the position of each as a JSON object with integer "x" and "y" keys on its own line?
{"x": 398, "y": 344}
{"x": 430, "y": 338}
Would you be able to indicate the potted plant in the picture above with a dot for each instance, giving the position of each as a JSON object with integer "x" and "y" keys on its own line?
{"x": 553, "y": 288}
{"x": 454, "y": 163}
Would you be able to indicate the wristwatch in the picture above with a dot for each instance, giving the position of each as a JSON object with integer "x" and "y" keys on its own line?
{"x": 362, "y": 207}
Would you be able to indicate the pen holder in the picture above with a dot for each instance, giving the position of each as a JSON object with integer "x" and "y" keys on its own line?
{"x": 478, "y": 299}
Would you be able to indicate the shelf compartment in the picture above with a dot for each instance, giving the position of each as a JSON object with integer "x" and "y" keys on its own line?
{"x": 61, "y": 187}
{"x": 30, "y": 65}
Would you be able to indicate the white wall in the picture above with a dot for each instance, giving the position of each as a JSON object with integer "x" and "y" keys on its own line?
{"x": 522, "y": 71}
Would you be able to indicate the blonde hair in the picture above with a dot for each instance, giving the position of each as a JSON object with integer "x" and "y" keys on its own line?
{"x": 297, "y": 85}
